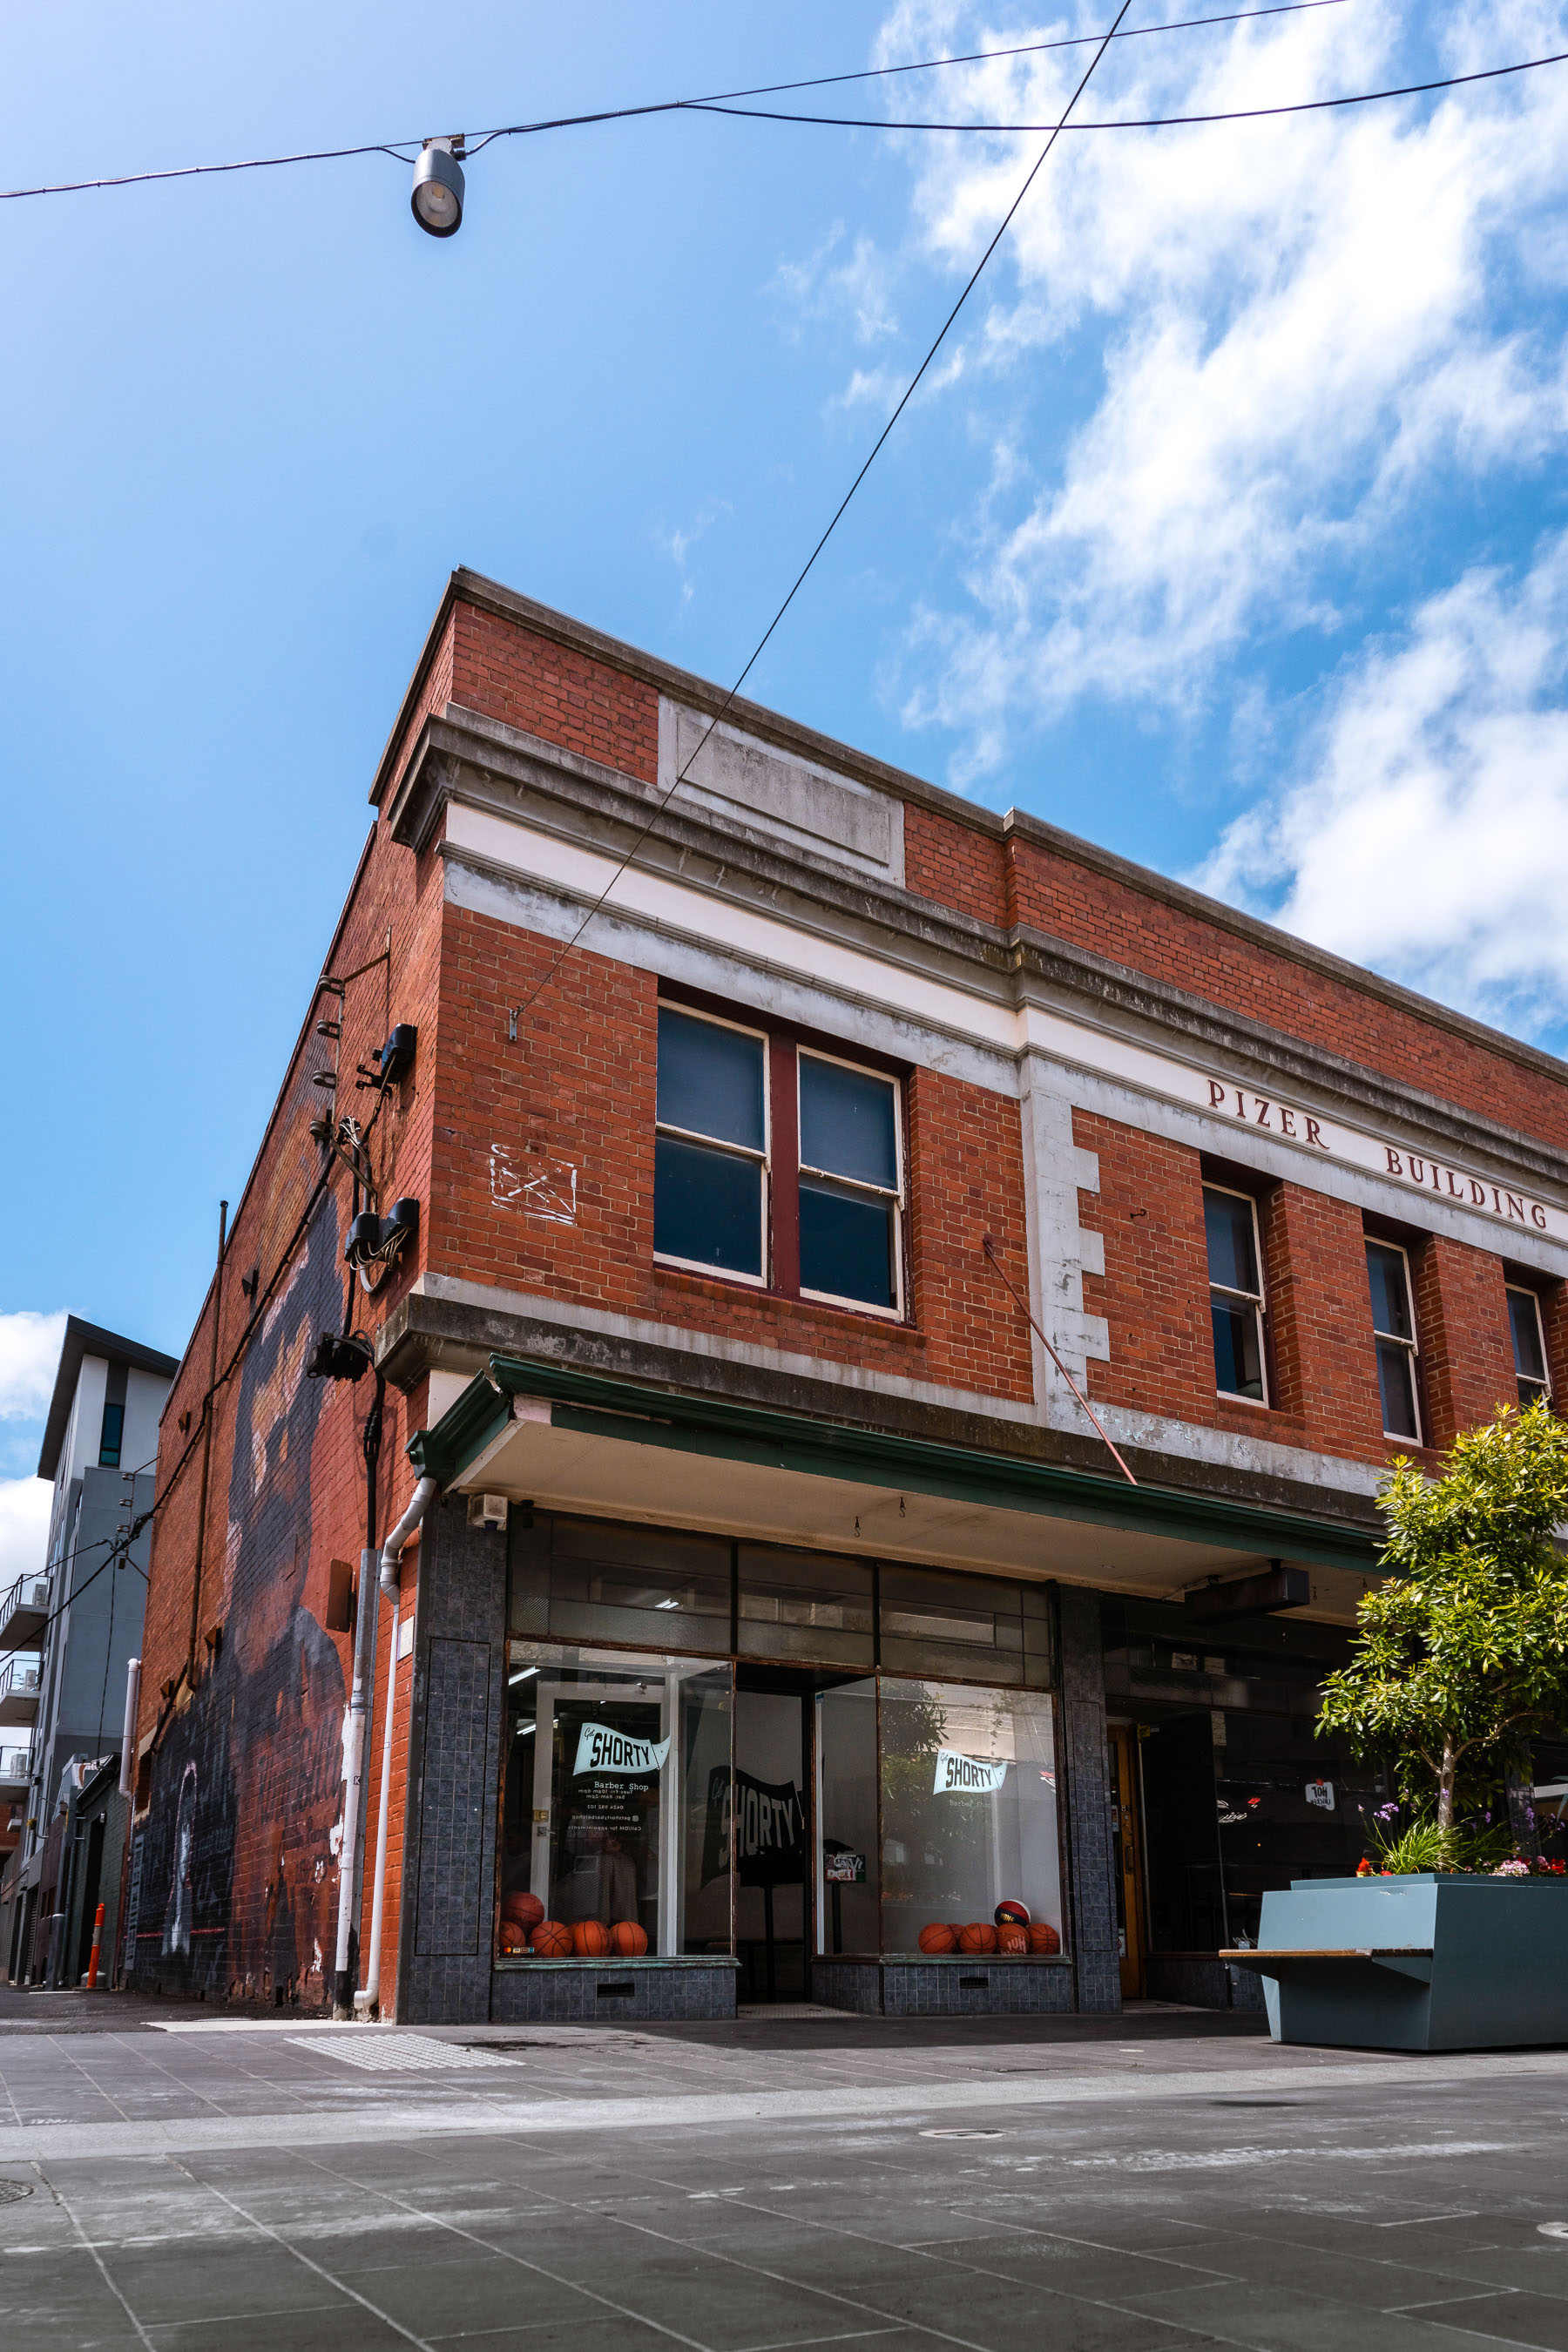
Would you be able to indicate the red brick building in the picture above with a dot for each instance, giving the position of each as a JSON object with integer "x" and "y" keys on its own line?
{"x": 778, "y": 1610}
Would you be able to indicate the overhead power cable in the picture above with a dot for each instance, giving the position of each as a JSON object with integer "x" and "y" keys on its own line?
{"x": 1129, "y": 122}
{"x": 401, "y": 148}
{"x": 799, "y": 581}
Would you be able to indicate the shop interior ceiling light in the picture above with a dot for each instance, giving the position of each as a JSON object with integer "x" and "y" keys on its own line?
{"x": 438, "y": 194}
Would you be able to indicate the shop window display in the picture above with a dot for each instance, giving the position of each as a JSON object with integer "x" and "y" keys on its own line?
{"x": 970, "y": 1858}
{"x": 615, "y": 1832}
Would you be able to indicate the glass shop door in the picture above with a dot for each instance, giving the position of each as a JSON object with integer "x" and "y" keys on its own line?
{"x": 772, "y": 1833}
{"x": 1127, "y": 1844}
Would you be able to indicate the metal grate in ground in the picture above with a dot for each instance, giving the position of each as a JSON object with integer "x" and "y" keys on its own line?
{"x": 399, "y": 2053}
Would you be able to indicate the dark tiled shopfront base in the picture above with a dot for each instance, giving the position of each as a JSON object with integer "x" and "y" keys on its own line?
{"x": 945, "y": 1988}
{"x": 559, "y": 1993}
{"x": 1197, "y": 1981}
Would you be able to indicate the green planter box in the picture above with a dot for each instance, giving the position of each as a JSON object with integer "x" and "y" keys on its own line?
{"x": 1423, "y": 1962}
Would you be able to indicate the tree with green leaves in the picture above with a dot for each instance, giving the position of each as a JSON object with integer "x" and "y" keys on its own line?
{"x": 1463, "y": 1653}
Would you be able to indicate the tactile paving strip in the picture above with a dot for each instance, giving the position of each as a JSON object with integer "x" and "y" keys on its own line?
{"x": 399, "y": 2054}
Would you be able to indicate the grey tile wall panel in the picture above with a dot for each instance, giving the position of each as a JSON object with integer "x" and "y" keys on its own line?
{"x": 1093, "y": 1938}
{"x": 525, "y": 1995}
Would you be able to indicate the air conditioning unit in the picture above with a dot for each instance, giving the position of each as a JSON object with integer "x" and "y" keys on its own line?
{"x": 487, "y": 1510}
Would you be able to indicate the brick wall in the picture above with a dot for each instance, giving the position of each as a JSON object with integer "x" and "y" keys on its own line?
{"x": 953, "y": 865}
{"x": 511, "y": 673}
{"x": 1461, "y": 1316}
{"x": 1134, "y": 927}
{"x": 1322, "y": 1366}
{"x": 238, "y": 1880}
{"x": 563, "y": 1119}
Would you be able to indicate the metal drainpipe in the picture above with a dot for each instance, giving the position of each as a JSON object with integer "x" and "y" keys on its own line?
{"x": 390, "y": 1585}
{"x": 346, "y": 1966}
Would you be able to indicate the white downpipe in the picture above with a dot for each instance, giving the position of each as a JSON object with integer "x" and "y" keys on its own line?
{"x": 128, "y": 1741}
{"x": 353, "y": 1786}
{"x": 390, "y": 1585}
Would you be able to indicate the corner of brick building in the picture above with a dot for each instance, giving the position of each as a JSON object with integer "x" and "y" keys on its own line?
{"x": 238, "y": 1885}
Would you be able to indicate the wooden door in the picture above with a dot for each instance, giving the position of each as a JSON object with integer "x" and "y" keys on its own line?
{"x": 1126, "y": 1828}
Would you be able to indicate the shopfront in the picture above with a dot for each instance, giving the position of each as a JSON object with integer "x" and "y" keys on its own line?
{"x": 779, "y": 1774}
{"x": 1223, "y": 1788}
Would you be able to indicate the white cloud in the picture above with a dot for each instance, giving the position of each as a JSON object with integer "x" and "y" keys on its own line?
{"x": 29, "y": 1357}
{"x": 24, "y": 1531}
{"x": 1297, "y": 323}
{"x": 1430, "y": 831}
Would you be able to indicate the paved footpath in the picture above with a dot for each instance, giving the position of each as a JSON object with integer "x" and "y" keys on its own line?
{"x": 1168, "y": 2178}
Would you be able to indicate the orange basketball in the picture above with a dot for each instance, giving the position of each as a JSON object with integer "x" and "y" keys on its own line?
{"x": 552, "y": 1941}
{"x": 590, "y": 1940}
{"x": 1011, "y": 1939}
{"x": 628, "y": 1939}
{"x": 938, "y": 1937}
{"x": 522, "y": 1910}
{"x": 980, "y": 1935}
{"x": 512, "y": 1940}
{"x": 1043, "y": 1939}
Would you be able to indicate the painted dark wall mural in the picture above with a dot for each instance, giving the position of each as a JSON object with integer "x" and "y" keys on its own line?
{"x": 238, "y": 1870}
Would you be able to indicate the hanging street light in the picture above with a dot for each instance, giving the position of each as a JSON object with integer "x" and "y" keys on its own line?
{"x": 438, "y": 195}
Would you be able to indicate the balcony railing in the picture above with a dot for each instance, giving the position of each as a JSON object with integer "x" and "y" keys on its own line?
{"x": 15, "y": 1769}
{"x": 24, "y": 1611}
{"x": 19, "y": 1690}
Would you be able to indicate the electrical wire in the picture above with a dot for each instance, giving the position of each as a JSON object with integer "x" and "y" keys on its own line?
{"x": 395, "y": 147}
{"x": 1133, "y": 123}
{"x": 756, "y": 653}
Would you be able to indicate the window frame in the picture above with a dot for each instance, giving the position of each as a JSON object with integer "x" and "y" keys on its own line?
{"x": 1258, "y": 1300}
{"x": 762, "y": 1159}
{"x": 1395, "y": 1340}
{"x": 896, "y": 1312}
{"x": 1543, "y": 1387}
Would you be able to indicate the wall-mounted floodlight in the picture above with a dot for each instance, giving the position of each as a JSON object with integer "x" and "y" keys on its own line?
{"x": 438, "y": 197}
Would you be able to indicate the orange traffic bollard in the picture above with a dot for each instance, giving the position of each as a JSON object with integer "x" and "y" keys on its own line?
{"x": 97, "y": 1940}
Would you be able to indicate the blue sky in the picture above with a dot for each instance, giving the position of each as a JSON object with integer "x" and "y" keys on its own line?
{"x": 1229, "y": 532}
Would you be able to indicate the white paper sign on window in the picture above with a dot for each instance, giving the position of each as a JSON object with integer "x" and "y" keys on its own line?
{"x": 601, "y": 1749}
{"x": 966, "y": 1775}
{"x": 1322, "y": 1793}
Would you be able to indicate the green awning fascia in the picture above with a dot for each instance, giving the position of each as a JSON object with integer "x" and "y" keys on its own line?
{"x": 723, "y": 1431}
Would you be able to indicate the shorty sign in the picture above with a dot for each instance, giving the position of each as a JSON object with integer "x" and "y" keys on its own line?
{"x": 968, "y": 1776}
{"x": 601, "y": 1749}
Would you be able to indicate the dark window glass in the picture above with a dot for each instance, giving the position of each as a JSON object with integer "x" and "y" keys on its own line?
{"x": 708, "y": 1206}
{"x": 969, "y": 1626}
{"x": 799, "y": 1604}
{"x": 1238, "y": 1355}
{"x": 847, "y": 1242}
{"x": 1396, "y": 1380}
{"x": 1395, "y": 1324}
{"x": 708, "y": 1197}
{"x": 1235, "y": 1295}
{"x": 848, "y": 1124}
{"x": 1529, "y": 1357}
{"x": 710, "y": 1080}
{"x": 108, "y": 1443}
{"x": 608, "y": 1582}
{"x": 1233, "y": 1255}
{"x": 1390, "y": 1292}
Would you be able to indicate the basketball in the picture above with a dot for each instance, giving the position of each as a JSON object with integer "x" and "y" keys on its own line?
{"x": 1012, "y": 1939}
{"x": 522, "y": 1910}
{"x": 590, "y": 1940}
{"x": 1043, "y": 1939}
{"x": 1010, "y": 1914}
{"x": 552, "y": 1941}
{"x": 980, "y": 1935}
{"x": 512, "y": 1940}
{"x": 938, "y": 1937}
{"x": 628, "y": 1939}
